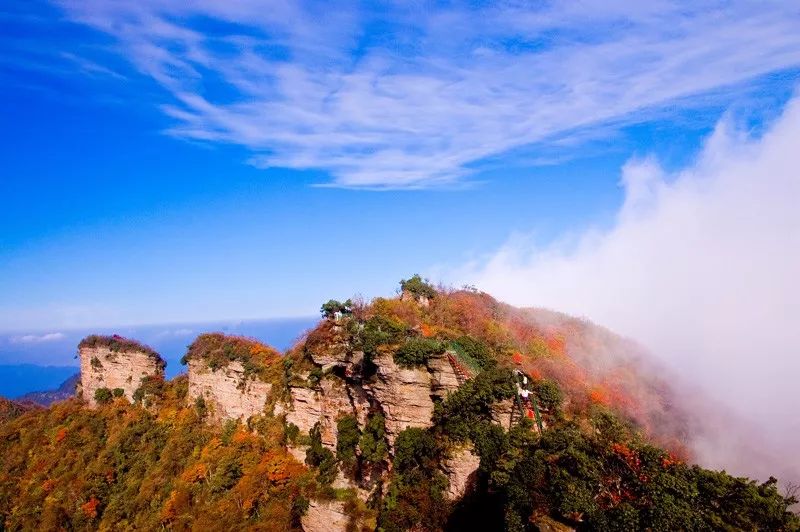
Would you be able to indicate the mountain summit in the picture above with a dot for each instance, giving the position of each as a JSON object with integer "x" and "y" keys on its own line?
{"x": 438, "y": 409}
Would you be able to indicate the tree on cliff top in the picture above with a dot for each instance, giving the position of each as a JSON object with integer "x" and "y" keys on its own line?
{"x": 418, "y": 287}
{"x": 333, "y": 307}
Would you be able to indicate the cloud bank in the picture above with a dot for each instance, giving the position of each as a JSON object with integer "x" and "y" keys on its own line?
{"x": 36, "y": 338}
{"x": 411, "y": 95}
{"x": 702, "y": 267}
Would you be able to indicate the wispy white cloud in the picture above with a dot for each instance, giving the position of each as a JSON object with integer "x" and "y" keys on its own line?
{"x": 90, "y": 67}
{"x": 413, "y": 95}
{"x": 37, "y": 339}
{"x": 177, "y": 333}
{"x": 701, "y": 267}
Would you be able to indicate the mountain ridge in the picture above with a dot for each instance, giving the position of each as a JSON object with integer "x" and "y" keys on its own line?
{"x": 440, "y": 409}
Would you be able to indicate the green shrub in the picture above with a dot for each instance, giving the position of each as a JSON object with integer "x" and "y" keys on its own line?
{"x": 292, "y": 432}
{"x": 549, "y": 394}
{"x": 200, "y": 406}
{"x": 418, "y": 287}
{"x": 226, "y": 474}
{"x": 373, "y": 439}
{"x": 329, "y": 309}
{"x": 118, "y": 392}
{"x": 320, "y": 457}
{"x": 103, "y": 396}
{"x": 378, "y": 331}
{"x": 315, "y": 375}
{"x": 347, "y": 436}
{"x": 474, "y": 351}
{"x": 415, "y": 448}
{"x": 149, "y": 386}
{"x": 417, "y": 351}
{"x": 471, "y": 404}
{"x": 415, "y": 498}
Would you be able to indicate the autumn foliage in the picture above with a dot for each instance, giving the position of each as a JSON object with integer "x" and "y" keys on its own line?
{"x": 159, "y": 464}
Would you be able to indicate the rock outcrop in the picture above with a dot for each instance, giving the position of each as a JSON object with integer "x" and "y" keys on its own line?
{"x": 461, "y": 469}
{"x": 325, "y": 516}
{"x": 501, "y": 413}
{"x": 324, "y": 405}
{"x": 443, "y": 376}
{"x": 403, "y": 394}
{"x": 115, "y": 363}
{"x": 228, "y": 392}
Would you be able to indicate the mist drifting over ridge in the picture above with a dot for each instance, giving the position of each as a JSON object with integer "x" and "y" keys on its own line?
{"x": 701, "y": 268}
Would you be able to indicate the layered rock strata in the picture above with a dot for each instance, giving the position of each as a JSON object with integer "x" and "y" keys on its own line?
{"x": 325, "y": 516}
{"x": 228, "y": 392}
{"x": 461, "y": 469}
{"x": 104, "y": 366}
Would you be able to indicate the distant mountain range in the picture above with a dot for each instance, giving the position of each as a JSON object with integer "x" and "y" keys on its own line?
{"x": 46, "y": 398}
{"x": 18, "y": 380}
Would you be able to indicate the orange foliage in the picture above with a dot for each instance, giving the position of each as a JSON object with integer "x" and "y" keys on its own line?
{"x": 426, "y": 330}
{"x": 48, "y": 485}
{"x": 407, "y": 312}
{"x": 89, "y": 508}
{"x": 556, "y": 343}
{"x": 242, "y": 437}
{"x": 630, "y": 456}
{"x": 196, "y": 473}
{"x": 598, "y": 395}
{"x": 61, "y": 434}
{"x": 176, "y": 504}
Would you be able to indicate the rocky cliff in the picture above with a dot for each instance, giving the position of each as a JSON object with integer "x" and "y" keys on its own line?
{"x": 115, "y": 365}
{"x": 227, "y": 392}
{"x": 400, "y": 414}
{"x": 332, "y": 379}
{"x": 230, "y": 376}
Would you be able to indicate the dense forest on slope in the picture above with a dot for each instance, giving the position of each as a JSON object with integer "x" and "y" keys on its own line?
{"x": 603, "y": 452}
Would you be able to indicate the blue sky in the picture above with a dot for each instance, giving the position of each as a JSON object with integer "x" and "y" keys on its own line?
{"x": 167, "y": 164}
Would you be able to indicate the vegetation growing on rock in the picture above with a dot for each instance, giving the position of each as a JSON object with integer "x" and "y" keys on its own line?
{"x": 117, "y": 344}
{"x": 609, "y": 456}
{"x": 418, "y": 287}
{"x": 218, "y": 350}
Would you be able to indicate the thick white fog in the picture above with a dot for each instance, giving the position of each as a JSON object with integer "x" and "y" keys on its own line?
{"x": 701, "y": 267}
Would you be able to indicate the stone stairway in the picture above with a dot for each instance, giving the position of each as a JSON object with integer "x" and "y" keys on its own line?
{"x": 463, "y": 374}
{"x": 516, "y": 414}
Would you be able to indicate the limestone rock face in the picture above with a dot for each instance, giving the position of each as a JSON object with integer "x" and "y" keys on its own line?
{"x": 334, "y": 354}
{"x": 461, "y": 469}
{"x": 323, "y": 405}
{"x": 404, "y": 396}
{"x": 228, "y": 392}
{"x": 335, "y": 403}
{"x": 501, "y": 413}
{"x": 443, "y": 376}
{"x": 103, "y": 368}
{"x": 306, "y": 408}
{"x": 325, "y": 516}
